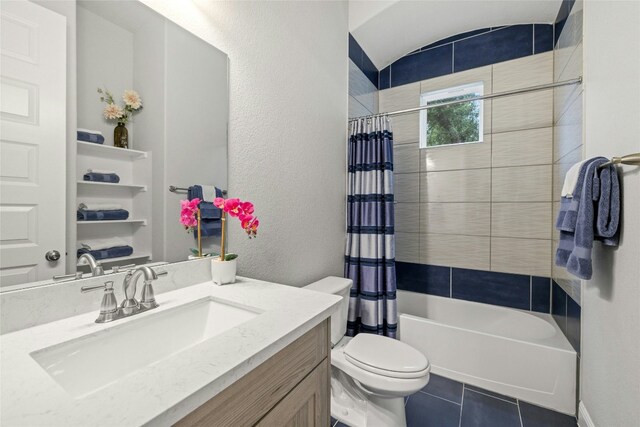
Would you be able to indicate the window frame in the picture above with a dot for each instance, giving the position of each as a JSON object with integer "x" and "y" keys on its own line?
{"x": 430, "y": 97}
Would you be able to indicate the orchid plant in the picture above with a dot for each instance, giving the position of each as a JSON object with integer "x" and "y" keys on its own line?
{"x": 236, "y": 209}
{"x": 112, "y": 111}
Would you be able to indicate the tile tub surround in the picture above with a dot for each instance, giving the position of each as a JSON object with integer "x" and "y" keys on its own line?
{"x": 483, "y": 206}
{"x": 508, "y": 290}
{"x": 466, "y": 51}
{"x": 362, "y": 61}
{"x": 448, "y": 403}
{"x": 567, "y": 313}
{"x": 169, "y": 389}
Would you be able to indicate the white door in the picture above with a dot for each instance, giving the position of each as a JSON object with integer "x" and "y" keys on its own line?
{"x": 32, "y": 142}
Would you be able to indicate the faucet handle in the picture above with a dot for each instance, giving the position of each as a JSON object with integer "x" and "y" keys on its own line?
{"x": 109, "y": 305}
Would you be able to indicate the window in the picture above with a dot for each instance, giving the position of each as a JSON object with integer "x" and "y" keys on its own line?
{"x": 459, "y": 123}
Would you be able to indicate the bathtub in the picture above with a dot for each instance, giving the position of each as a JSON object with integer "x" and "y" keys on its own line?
{"x": 512, "y": 352}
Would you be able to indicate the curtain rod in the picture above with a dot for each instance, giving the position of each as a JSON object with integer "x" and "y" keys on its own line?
{"x": 576, "y": 81}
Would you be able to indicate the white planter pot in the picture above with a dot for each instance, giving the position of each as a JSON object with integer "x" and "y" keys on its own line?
{"x": 223, "y": 272}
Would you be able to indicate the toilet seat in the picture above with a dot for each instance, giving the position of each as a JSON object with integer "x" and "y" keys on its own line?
{"x": 386, "y": 356}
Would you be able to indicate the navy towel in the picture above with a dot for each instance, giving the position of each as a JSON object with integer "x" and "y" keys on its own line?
{"x": 210, "y": 224}
{"x": 101, "y": 177}
{"x": 90, "y": 137}
{"x": 115, "y": 252}
{"x": 110, "y": 215}
{"x": 580, "y": 222}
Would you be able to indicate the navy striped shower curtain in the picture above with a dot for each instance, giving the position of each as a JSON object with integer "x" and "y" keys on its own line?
{"x": 370, "y": 250}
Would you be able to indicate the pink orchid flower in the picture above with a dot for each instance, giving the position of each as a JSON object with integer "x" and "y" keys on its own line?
{"x": 188, "y": 211}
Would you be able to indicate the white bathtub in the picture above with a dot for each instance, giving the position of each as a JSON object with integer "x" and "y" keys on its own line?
{"x": 513, "y": 352}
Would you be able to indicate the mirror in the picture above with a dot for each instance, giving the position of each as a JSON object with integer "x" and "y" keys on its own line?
{"x": 178, "y": 138}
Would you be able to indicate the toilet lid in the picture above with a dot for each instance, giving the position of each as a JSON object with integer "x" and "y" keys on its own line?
{"x": 386, "y": 356}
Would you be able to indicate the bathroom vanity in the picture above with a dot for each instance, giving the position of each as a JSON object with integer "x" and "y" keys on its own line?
{"x": 250, "y": 353}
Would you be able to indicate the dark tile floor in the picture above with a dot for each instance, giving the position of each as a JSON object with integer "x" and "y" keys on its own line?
{"x": 447, "y": 403}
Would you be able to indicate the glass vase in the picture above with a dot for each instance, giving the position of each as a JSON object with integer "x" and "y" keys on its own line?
{"x": 121, "y": 136}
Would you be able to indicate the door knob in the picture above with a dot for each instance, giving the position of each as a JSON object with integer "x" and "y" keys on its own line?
{"x": 52, "y": 255}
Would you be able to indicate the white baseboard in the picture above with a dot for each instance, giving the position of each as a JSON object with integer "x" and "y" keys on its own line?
{"x": 584, "y": 420}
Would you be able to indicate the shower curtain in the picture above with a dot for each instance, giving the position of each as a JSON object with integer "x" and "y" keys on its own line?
{"x": 370, "y": 250}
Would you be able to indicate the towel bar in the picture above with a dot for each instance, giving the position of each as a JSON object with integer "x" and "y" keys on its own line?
{"x": 629, "y": 159}
{"x": 175, "y": 189}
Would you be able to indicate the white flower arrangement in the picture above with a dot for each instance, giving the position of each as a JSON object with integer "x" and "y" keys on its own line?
{"x": 112, "y": 111}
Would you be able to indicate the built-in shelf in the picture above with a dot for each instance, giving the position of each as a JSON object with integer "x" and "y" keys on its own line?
{"x": 133, "y": 256}
{"x": 115, "y": 221}
{"x": 113, "y": 185}
{"x": 109, "y": 151}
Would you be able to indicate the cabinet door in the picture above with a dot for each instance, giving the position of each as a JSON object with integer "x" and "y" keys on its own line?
{"x": 306, "y": 405}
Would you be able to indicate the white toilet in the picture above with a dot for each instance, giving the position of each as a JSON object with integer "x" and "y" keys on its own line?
{"x": 370, "y": 374}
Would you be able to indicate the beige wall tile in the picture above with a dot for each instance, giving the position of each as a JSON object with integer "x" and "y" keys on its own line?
{"x": 523, "y": 72}
{"x": 400, "y": 97}
{"x": 406, "y": 187}
{"x": 462, "y": 156}
{"x": 568, "y": 62}
{"x": 356, "y": 109}
{"x": 405, "y": 128}
{"x": 407, "y": 217}
{"x": 455, "y": 251}
{"x": 521, "y": 184}
{"x": 481, "y": 74}
{"x": 523, "y": 220}
{"x": 561, "y": 168}
{"x": 564, "y": 96}
{"x": 567, "y": 133}
{"x": 555, "y": 234}
{"x": 471, "y": 185}
{"x": 521, "y": 256}
{"x": 406, "y": 158}
{"x": 527, "y": 111}
{"x": 407, "y": 247}
{"x": 456, "y": 218}
{"x": 525, "y": 147}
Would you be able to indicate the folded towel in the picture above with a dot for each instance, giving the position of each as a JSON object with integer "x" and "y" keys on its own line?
{"x": 210, "y": 192}
{"x": 571, "y": 180}
{"x": 103, "y": 171}
{"x": 116, "y": 214}
{"x": 580, "y": 224}
{"x": 87, "y": 135}
{"x": 101, "y": 177}
{"x": 102, "y": 244}
{"x": 89, "y": 206}
{"x": 115, "y": 252}
{"x": 210, "y": 224}
{"x": 207, "y": 208}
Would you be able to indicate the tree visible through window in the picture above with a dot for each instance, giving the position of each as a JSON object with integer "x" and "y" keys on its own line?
{"x": 454, "y": 123}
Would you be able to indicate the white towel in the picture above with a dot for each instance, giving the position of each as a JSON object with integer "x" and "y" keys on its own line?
{"x": 208, "y": 193}
{"x": 99, "y": 206}
{"x": 99, "y": 171}
{"x": 95, "y": 132}
{"x": 101, "y": 244}
{"x": 570, "y": 180}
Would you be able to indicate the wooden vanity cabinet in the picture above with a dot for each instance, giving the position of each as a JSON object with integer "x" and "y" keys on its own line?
{"x": 292, "y": 388}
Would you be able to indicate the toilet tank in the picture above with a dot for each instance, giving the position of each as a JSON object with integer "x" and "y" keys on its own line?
{"x": 341, "y": 287}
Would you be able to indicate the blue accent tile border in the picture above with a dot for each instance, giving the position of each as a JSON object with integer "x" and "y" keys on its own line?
{"x": 566, "y": 312}
{"x": 468, "y": 50}
{"x": 504, "y": 289}
{"x": 362, "y": 60}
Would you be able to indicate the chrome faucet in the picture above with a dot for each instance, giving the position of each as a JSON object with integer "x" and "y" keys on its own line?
{"x": 96, "y": 267}
{"x": 109, "y": 309}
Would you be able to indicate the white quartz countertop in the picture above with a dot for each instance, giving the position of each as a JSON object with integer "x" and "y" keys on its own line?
{"x": 166, "y": 391}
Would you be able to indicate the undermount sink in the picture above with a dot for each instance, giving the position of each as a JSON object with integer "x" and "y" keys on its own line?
{"x": 87, "y": 364}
